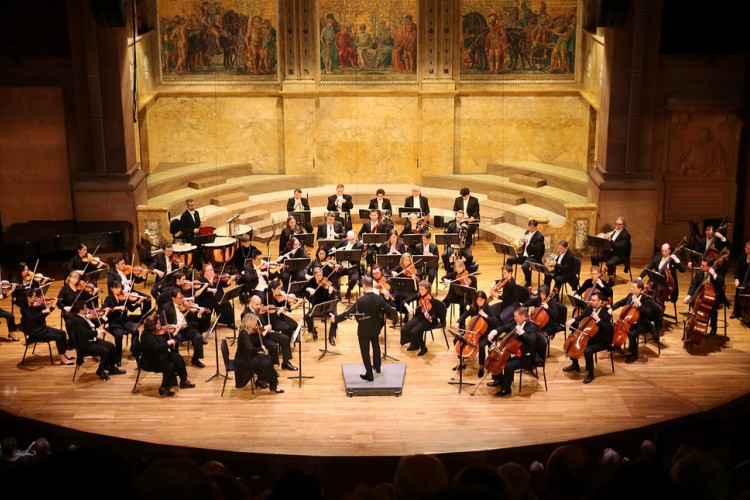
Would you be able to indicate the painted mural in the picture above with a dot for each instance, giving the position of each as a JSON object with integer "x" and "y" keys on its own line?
{"x": 217, "y": 40}
{"x": 512, "y": 39}
{"x": 368, "y": 39}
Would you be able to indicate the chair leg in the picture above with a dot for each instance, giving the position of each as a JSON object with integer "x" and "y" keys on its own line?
{"x": 445, "y": 336}
{"x": 612, "y": 359}
{"x": 520, "y": 381}
{"x": 544, "y": 373}
{"x": 75, "y": 372}
{"x": 137, "y": 377}
{"x": 23, "y": 359}
{"x": 224, "y": 386}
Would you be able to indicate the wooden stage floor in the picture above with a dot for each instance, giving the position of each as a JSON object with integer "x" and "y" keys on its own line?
{"x": 318, "y": 419}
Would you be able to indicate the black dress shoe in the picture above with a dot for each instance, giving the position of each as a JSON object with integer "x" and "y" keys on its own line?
{"x": 572, "y": 368}
{"x": 422, "y": 351}
{"x": 589, "y": 378}
{"x": 186, "y": 384}
{"x": 165, "y": 391}
{"x": 734, "y": 315}
{"x": 494, "y": 383}
{"x": 631, "y": 358}
{"x": 503, "y": 392}
{"x": 116, "y": 371}
{"x": 288, "y": 366}
{"x": 205, "y": 341}
{"x": 276, "y": 390}
{"x": 481, "y": 373}
{"x": 377, "y": 369}
{"x": 332, "y": 340}
{"x": 414, "y": 348}
{"x": 460, "y": 366}
{"x": 198, "y": 363}
{"x": 102, "y": 375}
{"x": 262, "y": 384}
{"x": 315, "y": 334}
{"x": 367, "y": 377}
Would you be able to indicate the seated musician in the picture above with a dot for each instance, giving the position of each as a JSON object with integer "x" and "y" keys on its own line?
{"x": 242, "y": 254}
{"x": 351, "y": 269}
{"x": 392, "y": 246}
{"x": 174, "y": 281}
{"x": 34, "y": 324}
{"x": 318, "y": 290}
{"x": 71, "y": 291}
{"x": 341, "y": 203}
{"x": 741, "y": 282}
{"x": 410, "y": 225}
{"x": 459, "y": 276}
{"x": 89, "y": 344}
{"x": 299, "y": 204}
{"x": 83, "y": 260}
{"x": 620, "y": 239}
{"x": 276, "y": 333}
{"x": 330, "y": 229}
{"x": 159, "y": 354}
{"x": 251, "y": 358}
{"x": 256, "y": 274}
{"x": 592, "y": 284}
{"x": 416, "y": 200}
{"x": 666, "y": 260}
{"x": 330, "y": 268}
{"x": 9, "y": 288}
{"x": 284, "y": 303}
{"x": 510, "y": 295}
{"x": 290, "y": 229}
{"x": 405, "y": 269}
{"x": 165, "y": 263}
{"x": 380, "y": 202}
{"x": 295, "y": 250}
{"x": 601, "y": 341}
{"x": 380, "y": 282}
{"x": 468, "y": 205}
{"x": 556, "y": 311}
{"x": 190, "y": 221}
{"x": 460, "y": 226}
{"x": 525, "y": 332}
{"x": 480, "y": 306}
{"x": 649, "y": 311}
{"x": 427, "y": 249}
{"x": 117, "y": 273}
{"x": 173, "y": 313}
{"x": 564, "y": 270}
{"x": 533, "y": 250}
{"x": 372, "y": 226}
{"x": 116, "y": 306}
{"x": 424, "y": 315}
{"x": 212, "y": 291}
{"x": 717, "y": 280}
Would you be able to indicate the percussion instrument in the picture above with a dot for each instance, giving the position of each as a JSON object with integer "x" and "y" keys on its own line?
{"x": 235, "y": 230}
{"x": 185, "y": 252}
{"x": 207, "y": 230}
{"x": 220, "y": 251}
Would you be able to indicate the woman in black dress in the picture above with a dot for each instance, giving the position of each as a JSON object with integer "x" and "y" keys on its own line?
{"x": 251, "y": 359}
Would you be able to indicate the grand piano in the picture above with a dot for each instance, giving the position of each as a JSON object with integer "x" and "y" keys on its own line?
{"x": 33, "y": 239}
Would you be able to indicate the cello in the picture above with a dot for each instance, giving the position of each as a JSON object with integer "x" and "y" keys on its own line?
{"x": 539, "y": 315}
{"x": 473, "y": 333}
{"x": 703, "y": 303}
{"x": 628, "y": 317}
{"x": 577, "y": 341}
{"x": 499, "y": 354}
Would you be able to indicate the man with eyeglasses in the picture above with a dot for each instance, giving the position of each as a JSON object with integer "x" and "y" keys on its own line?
{"x": 620, "y": 239}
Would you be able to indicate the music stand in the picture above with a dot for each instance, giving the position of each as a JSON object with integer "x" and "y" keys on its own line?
{"x": 327, "y": 244}
{"x": 406, "y": 211}
{"x": 296, "y": 287}
{"x": 447, "y": 239}
{"x": 296, "y": 337}
{"x": 231, "y": 294}
{"x": 202, "y": 239}
{"x": 464, "y": 343}
{"x": 385, "y": 337}
{"x": 322, "y": 310}
{"x": 426, "y": 262}
{"x": 374, "y": 238}
{"x": 388, "y": 261}
{"x": 307, "y": 239}
{"x": 216, "y": 345}
{"x": 364, "y": 214}
{"x": 538, "y": 268}
{"x": 576, "y": 302}
{"x": 505, "y": 249}
{"x": 406, "y": 286}
{"x": 352, "y": 256}
{"x": 411, "y": 239}
{"x": 302, "y": 217}
{"x": 293, "y": 265}
{"x": 466, "y": 293}
{"x": 601, "y": 244}
{"x": 694, "y": 258}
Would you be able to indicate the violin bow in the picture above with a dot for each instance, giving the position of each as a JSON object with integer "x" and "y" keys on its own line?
{"x": 33, "y": 273}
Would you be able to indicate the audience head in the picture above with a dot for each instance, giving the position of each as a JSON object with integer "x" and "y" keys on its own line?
{"x": 517, "y": 479}
{"x": 570, "y": 473}
{"x": 419, "y": 476}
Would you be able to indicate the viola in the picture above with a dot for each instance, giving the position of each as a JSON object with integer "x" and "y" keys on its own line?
{"x": 499, "y": 354}
{"x": 473, "y": 333}
{"x": 579, "y": 338}
{"x": 539, "y": 315}
{"x": 425, "y": 305}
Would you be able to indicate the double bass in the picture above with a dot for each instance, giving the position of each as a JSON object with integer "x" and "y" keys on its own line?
{"x": 663, "y": 293}
{"x": 703, "y": 303}
{"x": 473, "y": 333}
{"x": 579, "y": 338}
{"x": 499, "y": 354}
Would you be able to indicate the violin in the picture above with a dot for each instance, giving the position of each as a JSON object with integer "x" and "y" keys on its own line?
{"x": 137, "y": 269}
{"x": 499, "y": 354}
{"x": 223, "y": 278}
{"x": 6, "y": 285}
{"x": 92, "y": 259}
{"x": 382, "y": 284}
{"x": 264, "y": 309}
{"x": 410, "y": 271}
{"x": 425, "y": 305}
{"x": 473, "y": 333}
{"x": 88, "y": 287}
{"x": 579, "y": 338}
{"x": 94, "y": 313}
{"x": 131, "y": 296}
{"x": 495, "y": 289}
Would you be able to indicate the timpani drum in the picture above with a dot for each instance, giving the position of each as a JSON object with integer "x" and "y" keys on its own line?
{"x": 236, "y": 230}
{"x": 220, "y": 251}
{"x": 185, "y": 251}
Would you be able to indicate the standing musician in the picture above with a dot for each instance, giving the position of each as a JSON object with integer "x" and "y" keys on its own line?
{"x": 251, "y": 358}
{"x": 116, "y": 306}
{"x": 424, "y": 315}
{"x": 480, "y": 306}
{"x": 318, "y": 290}
{"x": 299, "y": 204}
{"x": 212, "y": 291}
{"x": 190, "y": 221}
{"x": 369, "y": 310}
{"x": 173, "y": 314}
{"x": 242, "y": 254}
{"x": 525, "y": 358}
{"x": 416, "y": 200}
{"x": 511, "y": 295}
{"x": 593, "y": 284}
{"x": 556, "y": 310}
{"x": 295, "y": 250}
{"x": 34, "y": 325}
{"x": 711, "y": 239}
{"x": 9, "y": 288}
{"x": 159, "y": 354}
{"x": 71, "y": 291}
{"x": 601, "y": 341}
{"x": 741, "y": 281}
{"x": 89, "y": 343}
{"x": 666, "y": 260}
{"x": 341, "y": 202}
{"x": 350, "y": 269}
{"x": 290, "y": 230}
{"x": 326, "y": 263}
{"x": 459, "y": 276}
{"x": 380, "y": 202}
{"x": 620, "y": 239}
{"x": 83, "y": 260}
{"x": 533, "y": 250}
{"x": 460, "y": 225}
{"x": 373, "y": 226}
{"x": 717, "y": 280}
{"x": 649, "y": 311}
{"x": 273, "y": 330}
{"x": 564, "y": 270}
{"x": 330, "y": 229}
{"x": 427, "y": 248}
{"x": 469, "y": 206}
